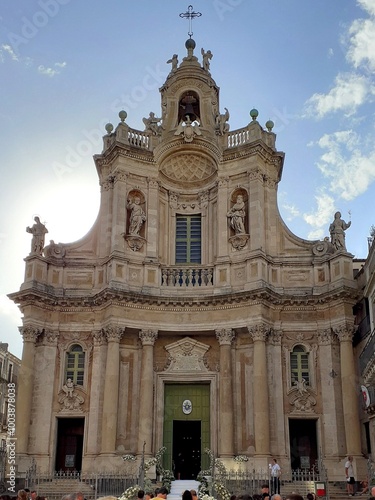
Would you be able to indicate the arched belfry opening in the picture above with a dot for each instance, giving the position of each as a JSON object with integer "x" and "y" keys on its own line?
{"x": 189, "y": 107}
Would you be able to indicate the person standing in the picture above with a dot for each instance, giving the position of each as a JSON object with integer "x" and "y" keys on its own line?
{"x": 275, "y": 477}
{"x": 349, "y": 474}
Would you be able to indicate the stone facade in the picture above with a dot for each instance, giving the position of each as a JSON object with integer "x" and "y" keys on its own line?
{"x": 189, "y": 277}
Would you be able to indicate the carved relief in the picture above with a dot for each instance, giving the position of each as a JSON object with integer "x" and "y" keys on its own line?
{"x": 69, "y": 398}
{"x": 186, "y": 355}
{"x": 188, "y": 168}
{"x": 301, "y": 398}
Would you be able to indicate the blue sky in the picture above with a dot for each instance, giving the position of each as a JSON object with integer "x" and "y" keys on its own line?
{"x": 68, "y": 67}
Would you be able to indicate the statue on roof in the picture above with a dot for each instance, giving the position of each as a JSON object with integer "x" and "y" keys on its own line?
{"x": 206, "y": 59}
{"x": 221, "y": 122}
{"x": 151, "y": 124}
{"x": 174, "y": 61}
{"x": 38, "y": 230}
{"x": 337, "y": 231}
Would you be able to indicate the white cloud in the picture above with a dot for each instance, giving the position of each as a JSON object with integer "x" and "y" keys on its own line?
{"x": 51, "y": 72}
{"x": 6, "y": 49}
{"x": 350, "y": 91}
{"x": 322, "y": 215}
{"x": 348, "y": 162}
{"x": 292, "y": 211}
{"x": 368, "y": 5}
{"x": 362, "y": 43}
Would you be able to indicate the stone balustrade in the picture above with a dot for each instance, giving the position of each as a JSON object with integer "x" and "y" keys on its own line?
{"x": 253, "y": 132}
{"x": 187, "y": 277}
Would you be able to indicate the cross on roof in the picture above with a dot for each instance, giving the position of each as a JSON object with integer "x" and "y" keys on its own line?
{"x": 190, "y": 14}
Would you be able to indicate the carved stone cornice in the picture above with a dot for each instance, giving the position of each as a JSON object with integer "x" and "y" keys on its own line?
{"x": 148, "y": 337}
{"x": 259, "y": 332}
{"x": 53, "y": 302}
{"x": 225, "y": 336}
{"x": 345, "y": 332}
{"x": 113, "y": 333}
{"x": 30, "y": 333}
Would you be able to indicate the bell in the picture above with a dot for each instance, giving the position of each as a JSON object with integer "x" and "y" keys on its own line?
{"x": 189, "y": 112}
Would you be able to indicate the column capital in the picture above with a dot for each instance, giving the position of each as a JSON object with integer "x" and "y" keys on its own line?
{"x": 30, "y": 333}
{"x": 345, "y": 332}
{"x": 222, "y": 182}
{"x": 225, "y": 336}
{"x": 275, "y": 336}
{"x": 98, "y": 337}
{"x": 148, "y": 337}
{"x": 259, "y": 332}
{"x": 325, "y": 337}
{"x": 153, "y": 182}
{"x": 50, "y": 337}
{"x": 113, "y": 333}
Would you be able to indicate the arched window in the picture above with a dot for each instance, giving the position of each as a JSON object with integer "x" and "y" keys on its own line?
{"x": 299, "y": 365}
{"x": 75, "y": 364}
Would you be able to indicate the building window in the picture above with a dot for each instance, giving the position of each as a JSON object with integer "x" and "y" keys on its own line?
{"x": 299, "y": 365}
{"x": 75, "y": 364}
{"x": 10, "y": 372}
{"x": 188, "y": 239}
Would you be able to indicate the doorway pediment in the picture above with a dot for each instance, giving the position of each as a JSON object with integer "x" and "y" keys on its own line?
{"x": 186, "y": 355}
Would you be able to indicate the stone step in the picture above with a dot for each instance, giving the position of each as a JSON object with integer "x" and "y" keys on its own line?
{"x": 179, "y": 486}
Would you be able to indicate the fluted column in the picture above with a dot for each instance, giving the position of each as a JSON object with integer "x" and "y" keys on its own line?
{"x": 25, "y": 387}
{"x": 98, "y": 360}
{"x": 146, "y": 406}
{"x": 226, "y": 448}
{"x": 260, "y": 385}
{"x": 349, "y": 384}
{"x": 111, "y": 385}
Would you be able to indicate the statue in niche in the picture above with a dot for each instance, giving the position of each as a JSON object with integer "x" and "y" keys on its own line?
{"x": 221, "y": 122}
{"x": 137, "y": 215}
{"x": 174, "y": 61}
{"x": 206, "y": 59}
{"x": 151, "y": 124}
{"x": 237, "y": 215}
{"x": 337, "y": 231}
{"x": 38, "y": 230}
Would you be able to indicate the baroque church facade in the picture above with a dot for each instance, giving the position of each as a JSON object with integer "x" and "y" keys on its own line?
{"x": 189, "y": 316}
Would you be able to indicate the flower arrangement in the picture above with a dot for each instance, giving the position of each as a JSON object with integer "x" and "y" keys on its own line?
{"x": 129, "y": 458}
{"x": 241, "y": 458}
{"x": 130, "y": 493}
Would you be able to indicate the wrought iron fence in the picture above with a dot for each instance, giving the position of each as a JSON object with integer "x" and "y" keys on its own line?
{"x": 93, "y": 485}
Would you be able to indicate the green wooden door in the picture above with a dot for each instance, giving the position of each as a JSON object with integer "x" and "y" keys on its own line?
{"x": 186, "y": 435}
